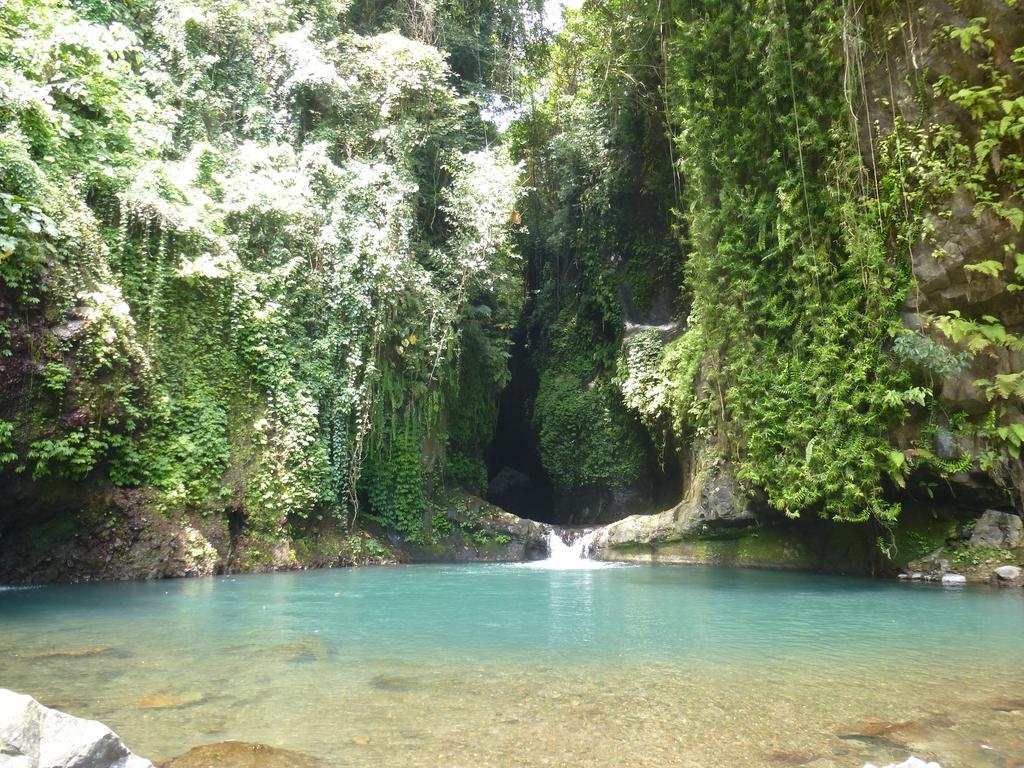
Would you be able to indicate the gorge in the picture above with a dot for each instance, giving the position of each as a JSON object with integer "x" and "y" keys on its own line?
{"x": 303, "y": 283}
{"x": 469, "y": 288}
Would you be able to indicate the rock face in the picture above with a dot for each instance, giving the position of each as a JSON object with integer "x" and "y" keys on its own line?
{"x": 118, "y": 536}
{"x": 594, "y": 505}
{"x": 1002, "y": 530}
{"x": 713, "y": 502}
{"x": 961, "y": 234}
{"x": 34, "y": 736}
{"x": 481, "y": 532}
{"x": 511, "y": 489}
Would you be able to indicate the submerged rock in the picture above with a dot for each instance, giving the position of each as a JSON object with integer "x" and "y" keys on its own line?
{"x": 74, "y": 653}
{"x": 241, "y": 754}
{"x": 793, "y": 758}
{"x": 159, "y": 700}
{"x": 1001, "y": 530}
{"x": 309, "y": 648}
{"x": 34, "y": 736}
{"x": 1008, "y": 705}
{"x": 883, "y": 733}
{"x": 392, "y": 683}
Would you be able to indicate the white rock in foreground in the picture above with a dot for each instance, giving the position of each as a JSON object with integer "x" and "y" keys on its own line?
{"x": 34, "y": 736}
{"x": 951, "y": 579}
{"x": 910, "y": 762}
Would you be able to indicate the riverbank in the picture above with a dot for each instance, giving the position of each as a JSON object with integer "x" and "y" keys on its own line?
{"x": 124, "y": 536}
{"x": 980, "y": 551}
{"x": 716, "y": 524}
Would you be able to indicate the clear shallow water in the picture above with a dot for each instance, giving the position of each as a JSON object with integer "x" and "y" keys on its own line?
{"x": 495, "y": 665}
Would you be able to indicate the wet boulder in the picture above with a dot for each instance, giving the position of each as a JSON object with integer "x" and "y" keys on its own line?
{"x": 32, "y": 735}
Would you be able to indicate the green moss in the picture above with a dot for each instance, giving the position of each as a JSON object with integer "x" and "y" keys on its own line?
{"x": 52, "y": 534}
{"x": 915, "y": 539}
{"x": 772, "y": 547}
{"x": 586, "y": 436}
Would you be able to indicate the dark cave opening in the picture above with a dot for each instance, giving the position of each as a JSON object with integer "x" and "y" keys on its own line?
{"x": 517, "y": 479}
{"x": 519, "y": 483}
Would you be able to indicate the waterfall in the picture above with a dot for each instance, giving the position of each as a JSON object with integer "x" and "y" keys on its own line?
{"x": 570, "y": 554}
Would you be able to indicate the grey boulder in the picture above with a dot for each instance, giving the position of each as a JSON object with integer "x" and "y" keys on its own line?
{"x": 34, "y": 736}
{"x": 952, "y": 579}
{"x": 1008, "y": 574}
{"x": 1002, "y": 530}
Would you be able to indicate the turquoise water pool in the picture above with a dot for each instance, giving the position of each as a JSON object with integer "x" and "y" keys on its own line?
{"x": 508, "y": 664}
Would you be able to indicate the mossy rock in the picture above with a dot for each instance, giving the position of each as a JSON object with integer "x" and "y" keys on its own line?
{"x": 770, "y": 549}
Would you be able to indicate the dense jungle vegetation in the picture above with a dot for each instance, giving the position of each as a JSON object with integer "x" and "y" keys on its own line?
{"x": 268, "y": 262}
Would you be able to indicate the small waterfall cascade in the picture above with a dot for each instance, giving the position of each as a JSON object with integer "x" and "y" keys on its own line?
{"x": 570, "y": 550}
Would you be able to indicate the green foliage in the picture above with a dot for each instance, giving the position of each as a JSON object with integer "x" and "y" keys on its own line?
{"x": 975, "y": 556}
{"x": 6, "y": 432}
{"x": 395, "y": 487}
{"x": 644, "y": 388}
{"x": 974, "y": 151}
{"x": 794, "y": 294}
{"x": 266, "y": 236}
{"x": 22, "y": 252}
{"x": 467, "y": 472}
{"x": 358, "y": 548}
{"x": 601, "y": 187}
{"x": 258, "y": 255}
{"x": 933, "y": 359}
{"x": 441, "y": 525}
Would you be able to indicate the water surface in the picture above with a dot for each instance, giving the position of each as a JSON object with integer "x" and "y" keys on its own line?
{"x": 496, "y": 665}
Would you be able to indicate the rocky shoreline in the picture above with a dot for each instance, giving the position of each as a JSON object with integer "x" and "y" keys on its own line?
{"x": 715, "y": 525}
{"x": 128, "y": 540}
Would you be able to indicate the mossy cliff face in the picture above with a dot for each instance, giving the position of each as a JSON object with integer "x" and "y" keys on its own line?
{"x": 122, "y": 536}
{"x": 958, "y": 114}
{"x": 253, "y": 259}
{"x": 847, "y": 222}
{"x": 263, "y": 270}
{"x": 717, "y": 524}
